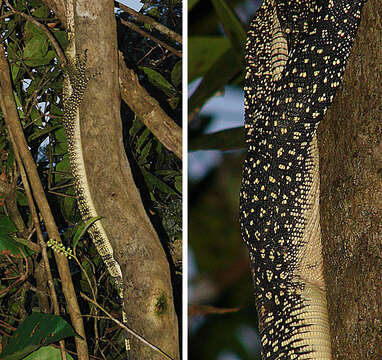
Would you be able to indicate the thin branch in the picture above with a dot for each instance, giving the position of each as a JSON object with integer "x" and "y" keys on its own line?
{"x": 204, "y": 310}
{"x": 145, "y": 34}
{"x": 148, "y": 20}
{"x": 131, "y": 331}
{"x": 62, "y": 194}
{"x": 20, "y": 278}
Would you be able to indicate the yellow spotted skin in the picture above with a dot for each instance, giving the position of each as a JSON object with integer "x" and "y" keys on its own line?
{"x": 78, "y": 80}
{"x": 296, "y": 54}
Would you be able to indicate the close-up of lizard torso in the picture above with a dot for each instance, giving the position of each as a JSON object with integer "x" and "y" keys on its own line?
{"x": 296, "y": 53}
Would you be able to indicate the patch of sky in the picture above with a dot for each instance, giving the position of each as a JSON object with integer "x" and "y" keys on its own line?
{"x": 246, "y": 9}
{"x": 132, "y": 4}
{"x": 41, "y": 153}
{"x": 250, "y": 339}
{"x": 227, "y": 112}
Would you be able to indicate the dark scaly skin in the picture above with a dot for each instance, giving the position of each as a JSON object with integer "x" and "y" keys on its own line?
{"x": 78, "y": 80}
{"x": 279, "y": 208}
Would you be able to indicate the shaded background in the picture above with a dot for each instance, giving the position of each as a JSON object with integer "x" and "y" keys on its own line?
{"x": 222, "y": 316}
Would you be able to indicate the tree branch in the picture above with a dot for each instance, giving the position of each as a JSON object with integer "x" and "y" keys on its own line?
{"x": 149, "y": 110}
{"x": 148, "y": 20}
{"x": 145, "y": 34}
{"x": 135, "y": 243}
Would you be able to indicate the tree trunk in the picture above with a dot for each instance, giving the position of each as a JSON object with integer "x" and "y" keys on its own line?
{"x": 350, "y": 141}
{"x": 146, "y": 275}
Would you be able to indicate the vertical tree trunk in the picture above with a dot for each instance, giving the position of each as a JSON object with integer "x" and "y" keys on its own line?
{"x": 147, "y": 283}
{"x": 350, "y": 141}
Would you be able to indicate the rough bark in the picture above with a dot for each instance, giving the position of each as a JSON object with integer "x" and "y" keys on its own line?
{"x": 351, "y": 199}
{"x": 147, "y": 282}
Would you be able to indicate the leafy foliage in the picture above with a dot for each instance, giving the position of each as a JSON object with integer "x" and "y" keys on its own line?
{"x": 36, "y": 330}
{"x": 223, "y": 68}
{"x": 222, "y": 277}
{"x": 38, "y": 80}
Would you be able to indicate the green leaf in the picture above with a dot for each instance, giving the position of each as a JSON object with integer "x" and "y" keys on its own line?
{"x": 42, "y": 12}
{"x": 21, "y": 198}
{"x": 82, "y": 230}
{"x": 15, "y": 68}
{"x": 85, "y": 287}
{"x": 222, "y": 140}
{"x": 233, "y": 28}
{"x": 19, "y": 5}
{"x": 63, "y": 169}
{"x": 56, "y": 85}
{"x": 176, "y": 73}
{"x": 36, "y": 117}
{"x": 62, "y": 38}
{"x": 12, "y": 48}
{"x": 68, "y": 204}
{"x": 15, "y": 308}
{"x": 35, "y": 49}
{"x": 47, "y": 352}
{"x": 203, "y": 52}
{"x": 153, "y": 182}
{"x": 142, "y": 138}
{"x": 43, "y": 60}
{"x": 42, "y": 132}
{"x": 11, "y": 159}
{"x": 154, "y": 12}
{"x": 32, "y": 30}
{"x": 144, "y": 153}
{"x": 55, "y": 110}
{"x": 36, "y": 330}
{"x": 159, "y": 81}
{"x": 33, "y": 85}
{"x": 7, "y": 241}
{"x": 60, "y": 146}
{"x": 19, "y": 105}
{"x": 137, "y": 125}
{"x": 224, "y": 69}
{"x": 167, "y": 173}
{"x": 178, "y": 183}
{"x": 6, "y": 225}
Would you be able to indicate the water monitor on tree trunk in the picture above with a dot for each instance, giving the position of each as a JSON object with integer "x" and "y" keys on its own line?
{"x": 296, "y": 54}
